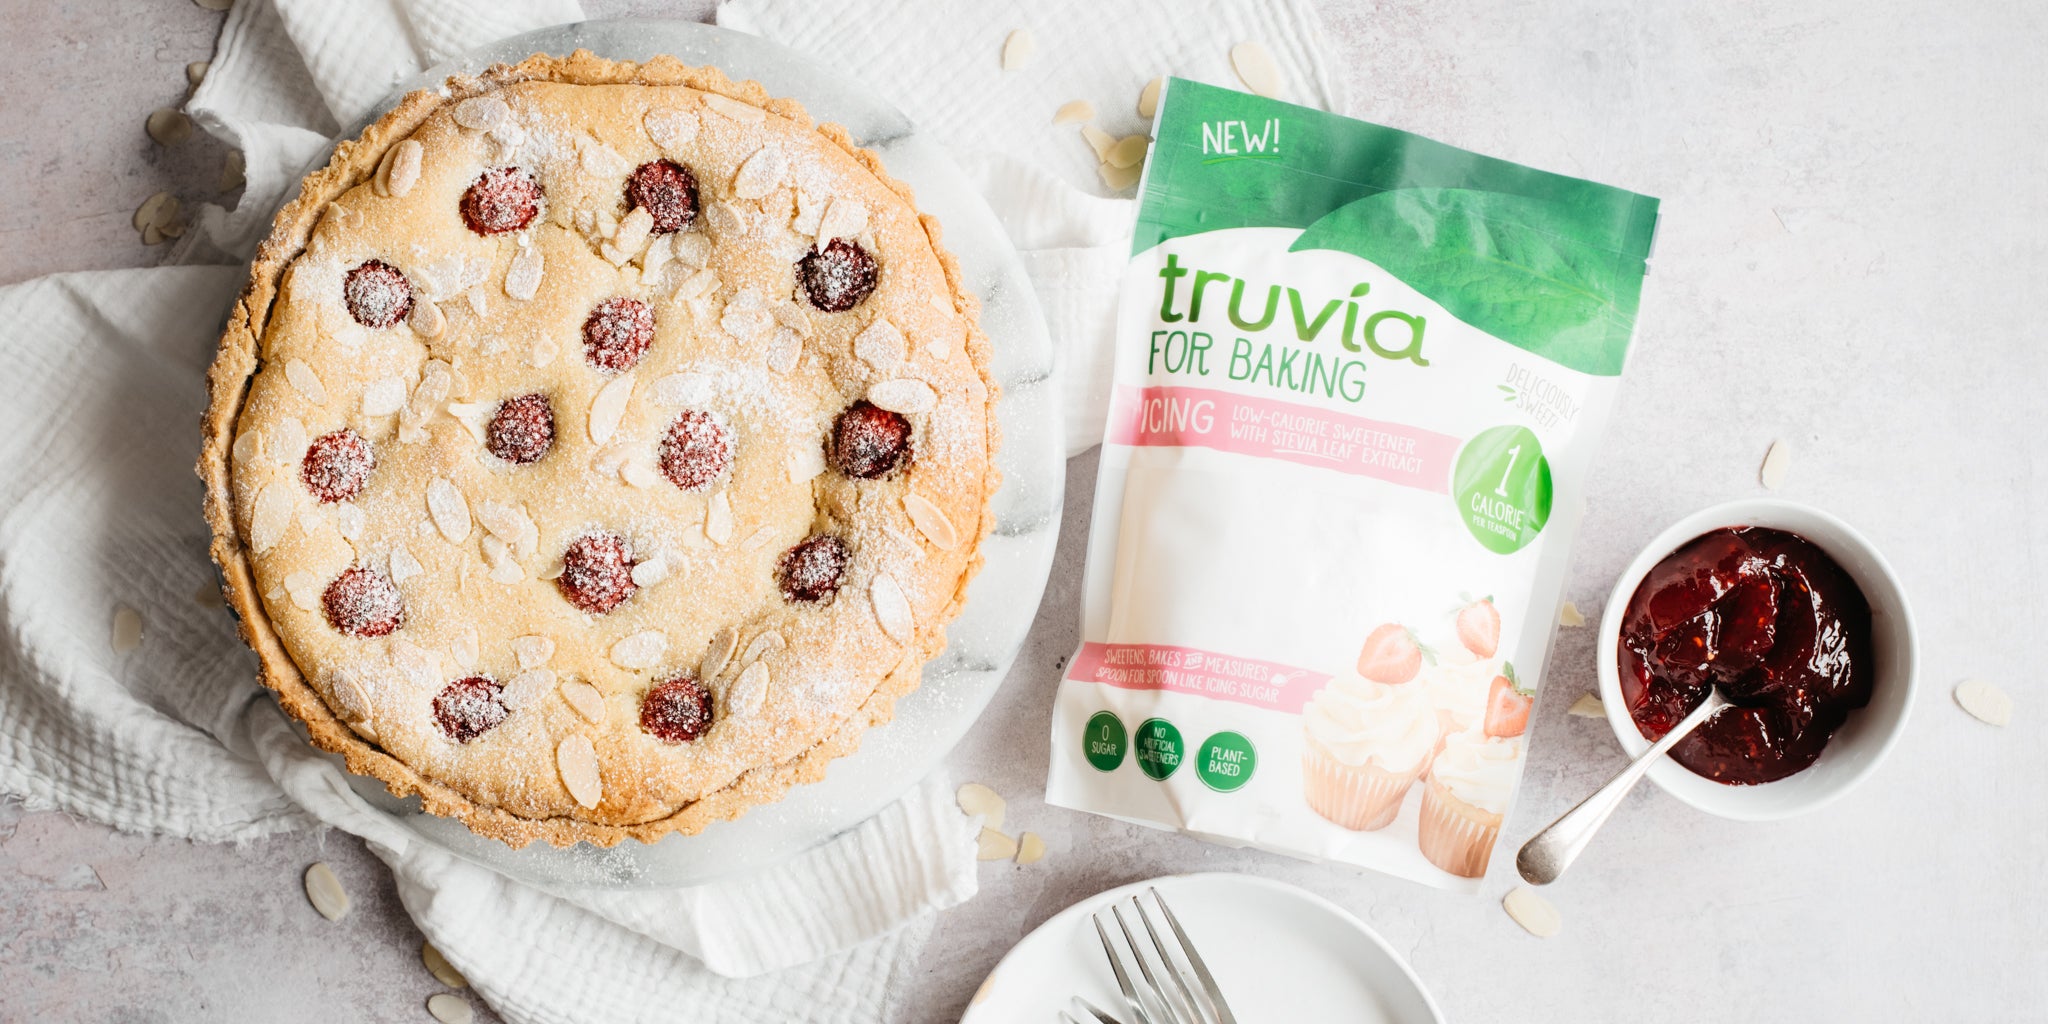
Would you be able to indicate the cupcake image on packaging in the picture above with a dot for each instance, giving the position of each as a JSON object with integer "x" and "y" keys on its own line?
{"x": 1470, "y": 780}
{"x": 1464, "y": 800}
{"x": 1368, "y": 735}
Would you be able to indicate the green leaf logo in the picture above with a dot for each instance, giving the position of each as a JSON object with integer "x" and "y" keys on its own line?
{"x": 1511, "y": 265}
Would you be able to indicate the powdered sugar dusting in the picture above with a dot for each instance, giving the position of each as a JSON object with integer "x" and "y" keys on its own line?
{"x": 765, "y": 395}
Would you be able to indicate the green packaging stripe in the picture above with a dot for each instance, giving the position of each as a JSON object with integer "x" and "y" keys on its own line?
{"x": 1546, "y": 262}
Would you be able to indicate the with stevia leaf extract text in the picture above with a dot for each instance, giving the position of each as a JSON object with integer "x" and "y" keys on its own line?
{"x": 1359, "y": 377}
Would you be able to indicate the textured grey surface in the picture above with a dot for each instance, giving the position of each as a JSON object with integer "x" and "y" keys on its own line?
{"x": 1851, "y": 241}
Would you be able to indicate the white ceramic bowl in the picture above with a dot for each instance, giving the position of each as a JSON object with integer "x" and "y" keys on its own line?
{"x": 1859, "y": 744}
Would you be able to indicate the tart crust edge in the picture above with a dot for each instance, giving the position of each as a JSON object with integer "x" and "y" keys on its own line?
{"x": 237, "y": 361}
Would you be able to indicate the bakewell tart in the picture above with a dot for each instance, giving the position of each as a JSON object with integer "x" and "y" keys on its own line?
{"x": 598, "y": 449}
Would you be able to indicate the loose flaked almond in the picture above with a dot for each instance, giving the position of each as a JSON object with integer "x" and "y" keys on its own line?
{"x": 1587, "y": 706}
{"x": 383, "y": 396}
{"x": 584, "y": 699}
{"x": 1129, "y": 151}
{"x": 931, "y": 521}
{"x": 904, "y": 394}
{"x": 718, "y": 653}
{"x": 1777, "y": 462}
{"x": 450, "y": 1009}
{"x": 760, "y": 173}
{"x": 732, "y": 108}
{"x": 608, "y": 408}
{"x": 195, "y": 73}
{"x": 1119, "y": 178}
{"x": 532, "y": 650}
{"x": 979, "y": 800}
{"x": 127, "y": 631}
{"x": 449, "y": 509}
{"x": 1985, "y": 702}
{"x": 1030, "y": 848}
{"x": 482, "y": 113}
{"x": 892, "y": 609}
{"x": 522, "y": 276}
{"x": 1569, "y": 615}
{"x": 233, "y": 171}
{"x": 438, "y": 966}
{"x": 528, "y": 688}
{"x": 159, "y": 209}
{"x": 576, "y": 760}
{"x": 641, "y": 650}
{"x": 304, "y": 589}
{"x": 881, "y": 346}
{"x": 845, "y": 218}
{"x": 1255, "y": 68}
{"x": 271, "y": 517}
{"x": 1098, "y": 140}
{"x": 718, "y": 519}
{"x": 168, "y": 127}
{"x": 1074, "y": 112}
{"x": 324, "y": 891}
{"x": 1018, "y": 48}
{"x": 1532, "y": 912}
{"x": 750, "y": 691}
{"x": 670, "y": 129}
{"x": 1148, "y": 97}
{"x": 304, "y": 381}
{"x": 994, "y": 845}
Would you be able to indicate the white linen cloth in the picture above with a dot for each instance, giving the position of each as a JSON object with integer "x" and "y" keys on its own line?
{"x": 99, "y": 508}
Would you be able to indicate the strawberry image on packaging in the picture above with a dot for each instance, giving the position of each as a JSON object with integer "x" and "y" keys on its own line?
{"x": 1360, "y": 378}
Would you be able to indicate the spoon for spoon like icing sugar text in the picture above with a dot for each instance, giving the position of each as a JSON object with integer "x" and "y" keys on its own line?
{"x": 1545, "y": 856}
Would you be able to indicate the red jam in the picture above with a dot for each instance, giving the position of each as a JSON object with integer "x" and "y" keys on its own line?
{"x": 1771, "y": 620}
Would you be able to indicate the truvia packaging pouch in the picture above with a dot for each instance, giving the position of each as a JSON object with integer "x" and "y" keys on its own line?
{"x": 1360, "y": 380}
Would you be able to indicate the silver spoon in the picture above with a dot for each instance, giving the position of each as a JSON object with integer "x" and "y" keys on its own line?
{"x": 1544, "y": 857}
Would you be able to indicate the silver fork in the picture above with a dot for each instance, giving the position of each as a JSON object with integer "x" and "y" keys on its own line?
{"x": 1148, "y": 1000}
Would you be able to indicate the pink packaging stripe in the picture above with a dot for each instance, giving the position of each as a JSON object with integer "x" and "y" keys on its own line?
{"x": 1167, "y": 416}
{"x": 1264, "y": 684}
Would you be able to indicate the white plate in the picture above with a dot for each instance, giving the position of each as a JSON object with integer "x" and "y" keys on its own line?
{"x": 1280, "y": 955}
{"x": 1002, "y": 599}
